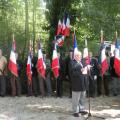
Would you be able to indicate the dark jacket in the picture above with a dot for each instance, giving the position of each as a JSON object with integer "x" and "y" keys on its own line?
{"x": 94, "y": 64}
{"x": 112, "y": 69}
{"x": 34, "y": 69}
{"x": 77, "y": 78}
{"x": 20, "y": 67}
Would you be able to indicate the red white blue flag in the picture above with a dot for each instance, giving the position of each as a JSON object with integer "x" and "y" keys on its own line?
{"x": 66, "y": 26}
{"x": 55, "y": 63}
{"x": 12, "y": 66}
{"x": 40, "y": 63}
{"x": 74, "y": 45}
{"x": 86, "y": 56}
{"x": 59, "y": 27}
{"x": 104, "y": 63}
{"x": 29, "y": 68}
{"x": 59, "y": 40}
{"x": 117, "y": 58}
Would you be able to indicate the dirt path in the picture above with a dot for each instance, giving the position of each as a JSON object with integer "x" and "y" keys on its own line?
{"x": 36, "y": 108}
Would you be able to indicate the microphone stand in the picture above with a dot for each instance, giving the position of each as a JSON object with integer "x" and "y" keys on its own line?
{"x": 89, "y": 112}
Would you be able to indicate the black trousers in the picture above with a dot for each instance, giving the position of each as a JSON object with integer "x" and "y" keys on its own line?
{"x": 2, "y": 85}
{"x": 106, "y": 79}
{"x": 105, "y": 84}
{"x": 29, "y": 88}
{"x": 41, "y": 85}
{"x": 59, "y": 86}
{"x": 35, "y": 85}
{"x": 92, "y": 89}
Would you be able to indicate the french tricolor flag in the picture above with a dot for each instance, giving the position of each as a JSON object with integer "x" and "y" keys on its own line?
{"x": 59, "y": 40}
{"x": 74, "y": 45}
{"x": 55, "y": 63}
{"x": 117, "y": 58}
{"x": 66, "y": 26}
{"x": 86, "y": 54}
{"x": 29, "y": 68}
{"x": 59, "y": 28}
{"x": 40, "y": 63}
{"x": 12, "y": 66}
{"x": 104, "y": 63}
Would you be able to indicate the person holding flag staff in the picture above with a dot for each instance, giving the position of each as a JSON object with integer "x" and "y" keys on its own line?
{"x": 13, "y": 67}
{"x": 78, "y": 82}
{"x": 104, "y": 67}
{"x": 48, "y": 76}
{"x": 41, "y": 68}
{"x": 115, "y": 68}
{"x": 29, "y": 71}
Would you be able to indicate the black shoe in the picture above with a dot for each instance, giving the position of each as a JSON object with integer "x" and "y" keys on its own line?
{"x": 2, "y": 95}
{"x": 115, "y": 94}
{"x": 76, "y": 115}
{"x": 83, "y": 112}
{"x": 35, "y": 95}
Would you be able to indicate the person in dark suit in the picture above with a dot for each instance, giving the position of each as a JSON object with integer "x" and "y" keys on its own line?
{"x": 33, "y": 87}
{"x": 34, "y": 77}
{"x": 61, "y": 77}
{"x": 93, "y": 76}
{"x": 115, "y": 78}
{"x": 68, "y": 67}
{"x": 78, "y": 84}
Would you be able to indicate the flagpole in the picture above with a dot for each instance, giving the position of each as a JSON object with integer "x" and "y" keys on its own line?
{"x": 13, "y": 36}
{"x": 116, "y": 34}
{"x": 89, "y": 113}
{"x": 85, "y": 42}
{"x": 58, "y": 76}
{"x": 103, "y": 90}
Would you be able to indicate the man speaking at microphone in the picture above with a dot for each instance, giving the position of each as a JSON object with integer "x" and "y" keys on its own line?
{"x": 78, "y": 84}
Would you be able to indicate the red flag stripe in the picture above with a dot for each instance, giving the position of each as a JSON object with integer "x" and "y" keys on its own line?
{"x": 55, "y": 64}
{"x": 28, "y": 69}
{"x": 12, "y": 64}
{"x": 41, "y": 64}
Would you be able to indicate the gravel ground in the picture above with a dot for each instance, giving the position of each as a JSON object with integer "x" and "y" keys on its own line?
{"x": 36, "y": 108}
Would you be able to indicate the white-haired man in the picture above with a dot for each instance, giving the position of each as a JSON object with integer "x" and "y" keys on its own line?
{"x": 78, "y": 84}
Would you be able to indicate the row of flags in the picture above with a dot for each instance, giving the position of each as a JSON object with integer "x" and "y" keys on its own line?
{"x": 115, "y": 51}
{"x": 104, "y": 62}
{"x": 41, "y": 67}
{"x": 63, "y": 30}
{"x": 64, "y": 27}
{"x": 12, "y": 66}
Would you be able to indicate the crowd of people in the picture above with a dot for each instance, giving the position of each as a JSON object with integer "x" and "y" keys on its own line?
{"x": 81, "y": 78}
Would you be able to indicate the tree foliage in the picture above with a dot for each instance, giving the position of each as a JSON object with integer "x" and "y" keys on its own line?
{"x": 29, "y": 19}
{"x": 88, "y": 17}
{"x": 26, "y": 20}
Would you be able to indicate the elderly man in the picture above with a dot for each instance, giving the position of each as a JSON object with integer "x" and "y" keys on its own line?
{"x": 78, "y": 84}
{"x": 3, "y": 64}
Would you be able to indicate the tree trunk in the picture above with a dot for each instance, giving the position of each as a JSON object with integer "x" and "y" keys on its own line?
{"x": 26, "y": 28}
{"x": 33, "y": 26}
